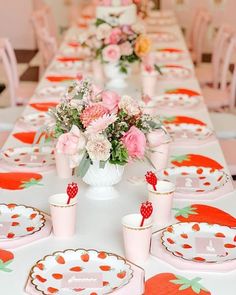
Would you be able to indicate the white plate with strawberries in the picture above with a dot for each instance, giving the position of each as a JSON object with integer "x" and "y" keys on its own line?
{"x": 29, "y": 156}
{"x": 200, "y": 242}
{"x": 80, "y": 271}
{"x": 18, "y": 221}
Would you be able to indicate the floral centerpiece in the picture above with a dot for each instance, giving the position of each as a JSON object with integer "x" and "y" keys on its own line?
{"x": 116, "y": 46}
{"x": 100, "y": 130}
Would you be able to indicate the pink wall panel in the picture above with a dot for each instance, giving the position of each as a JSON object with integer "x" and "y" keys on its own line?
{"x": 223, "y": 11}
{"x": 15, "y": 23}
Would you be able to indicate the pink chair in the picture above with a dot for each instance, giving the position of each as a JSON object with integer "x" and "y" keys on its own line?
{"x": 209, "y": 73}
{"x": 19, "y": 92}
{"x": 225, "y": 95}
{"x": 46, "y": 39}
{"x": 198, "y": 34}
{"x": 229, "y": 146}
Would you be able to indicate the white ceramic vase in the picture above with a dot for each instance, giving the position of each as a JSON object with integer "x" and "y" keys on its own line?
{"x": 101, "y": 181}
{"x": 116, "y": 79}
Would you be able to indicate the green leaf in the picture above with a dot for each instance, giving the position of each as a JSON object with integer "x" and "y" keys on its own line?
{"x": 158, "y": 69}
{"x": 84, "y": 165}
{"x": 99, "y": 22}
{"x": 184, "y": 287}
{"x": 102, "y": 164}
{"x": 31, "y": 182}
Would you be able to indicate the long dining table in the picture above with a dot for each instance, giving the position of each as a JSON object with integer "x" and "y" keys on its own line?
{"x": 99, "y": 222}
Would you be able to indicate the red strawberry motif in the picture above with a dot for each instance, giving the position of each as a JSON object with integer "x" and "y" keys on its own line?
{"x": 60, "y": 78}
{"x": 28, "y": 137}
{"x": 171, "y": 50}
{"x": 19, "y": 180}
{"x": 177, "y": 120}
{"x": 69, "y": 59}
{"x": 168, "y": 284}
{"x": 60, "y": 259}
{"x": 76, "y": 269}
{"x": 105, "y": 267}
{"x": 121, "y": 274}
{"x": 102, "y": 255}
{"x": 41, "y": 279}
{"x": 43, "y": 106}
{"x": 195, "y": 160}
{"x": 40, "y": 266}
{"x": 146, "y": 211}
{"x": 57, "y": 276}
{"x": 85, "y": 257}
{"x": 204, "y": 213}
{"x": 6, "y": 257}
{"x": 196, "y": 227}
{"x": 52, "y": 290}
{"x": 151, "y": 179}
{"x": 188, "y": 92}
{"x": 72, "y": 191}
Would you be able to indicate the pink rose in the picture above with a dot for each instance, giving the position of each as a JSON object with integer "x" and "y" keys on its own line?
{"x": 110, "y": 100}
{"x": 114, "y": 37}
{"x": 135, "y": 142}
{"x": 126, "y": 48}
{"x": 67, "y": 144}
{"x": 71, "y": 142}
{"x": 111, "y": 53}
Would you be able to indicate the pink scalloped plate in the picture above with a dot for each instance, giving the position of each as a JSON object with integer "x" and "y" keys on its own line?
{"x": 159, "y": 251}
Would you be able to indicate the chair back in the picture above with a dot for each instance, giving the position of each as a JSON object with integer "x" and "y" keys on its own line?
{"x": 220, "y": 46}
{"x": 200, "y": 29}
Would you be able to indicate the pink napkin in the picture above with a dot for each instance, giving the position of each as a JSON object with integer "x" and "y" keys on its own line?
{"x": 134, "y": 287}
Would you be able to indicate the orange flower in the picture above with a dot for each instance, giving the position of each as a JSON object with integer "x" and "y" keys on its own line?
{"x": 142, "y": 46}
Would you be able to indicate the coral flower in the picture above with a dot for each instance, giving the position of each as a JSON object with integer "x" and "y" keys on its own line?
{"x": 92, "y": 113}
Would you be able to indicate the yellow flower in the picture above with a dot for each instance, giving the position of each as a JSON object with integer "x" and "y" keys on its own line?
{"x": 142, "y": 46}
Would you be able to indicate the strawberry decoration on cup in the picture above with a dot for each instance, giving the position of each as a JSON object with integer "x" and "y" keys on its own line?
{"x": 146, "y": 211}
{"x": 72, "y": 191}
{"x": 151, "y": 179}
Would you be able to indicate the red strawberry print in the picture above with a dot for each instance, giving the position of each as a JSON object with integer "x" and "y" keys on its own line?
{"x": 11, "y": 206}
{"x": 10, "y": 235}
{"x": 60, "y": 259}
{"x": 204, "y": 213}
{"x": 199, "y": 259}
{"x": 186, "y": 246}
{"x": 60, "y": 78}
{"x": 43, "y": 106}
{"x": 85, "y": 257}
{"x": 69, "y": 59}
{"x": 230, "y": 246}
{"x": 57, "y": 276}
{"x": 121, "y": 274}
{"x": 74, "y": 44}
{"x": 188, "y": 92}
{"x": 146, "y": 211}
{"x": 151, "y": 179}
{"x": 184, "y": 236}
{"x": 15, "y": 216}
{"x": 19, "y": 180}
{"x": 33, "y": 215}
{"x": 105, "y": 283}
{"x": 29, "y": 229}
{"x": 40, "y": 266}
{"x": 15, "y": 223}
{"x": 177, "y": 120}
{"x": 105, "y": 267}
{"x": 41, "y": 279}
{"x": 52, "y": 290}
{"x": 6, "y": 257}
{"x": 219, "y": 235}
{"x": 174, "y": 50}
{"x": 102, "y": 255}
{"x": 195, "y": 160}
{"x": 28, "y": 137}
{"x": 196, "y": 227}
{"x": 76, "y": 269}
{"x": 169, "y": 283}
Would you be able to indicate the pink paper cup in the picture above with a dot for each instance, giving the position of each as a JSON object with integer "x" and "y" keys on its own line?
{"x": 159, "y": 155}
{"x": 63, "y": 165}
{"x": 136, "y": 239}
{"x": 148, "y": 83}
{"x": 63, "y": 215}
{"x": 162, "y": 201}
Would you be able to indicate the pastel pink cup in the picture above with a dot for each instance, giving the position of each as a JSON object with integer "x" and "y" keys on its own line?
{"x": 162, "y": 201}
{"x": 159, "y": 155}
{"x": 63, "y": 165}
{"x": 136, "y": 239}
{"x": 97, "y": 69}
{"x": 148, "y": 83}
{"x": 63, "y": 215}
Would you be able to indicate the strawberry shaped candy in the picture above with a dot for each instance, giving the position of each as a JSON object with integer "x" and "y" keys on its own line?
{"x": 151, "y": 179}
{"x": 146, "y": 211}
{"x": 72, "y": 191}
